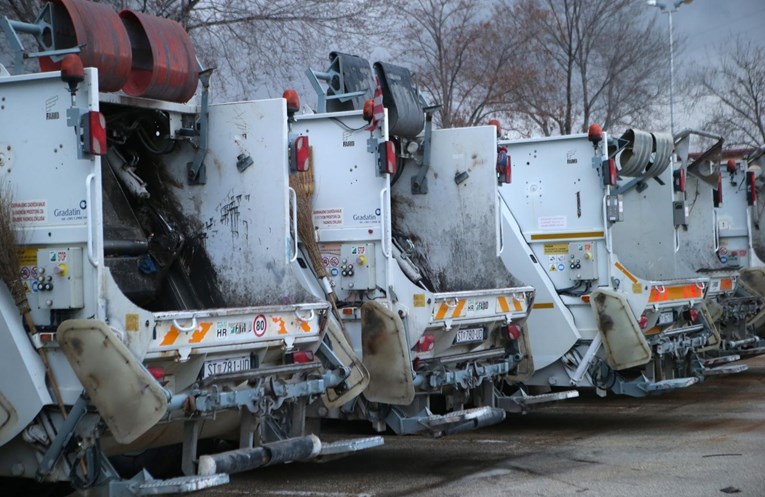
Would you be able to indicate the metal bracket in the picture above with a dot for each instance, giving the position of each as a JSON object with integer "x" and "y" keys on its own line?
{"x": 196, "y": 169}
{"x": 63, "y": 438}
{"x": 420, "y": 180}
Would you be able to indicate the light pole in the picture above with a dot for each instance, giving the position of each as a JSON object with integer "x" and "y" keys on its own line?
{"x": 669, "y": 8}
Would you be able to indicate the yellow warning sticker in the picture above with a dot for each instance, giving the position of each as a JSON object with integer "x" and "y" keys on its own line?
{"x": 27, "y": 256}
{"x": 637, "y": 288}
{"x": 131, "y": 322}
{"x": 419, "y": 300}
{"x": 556, "y": 248}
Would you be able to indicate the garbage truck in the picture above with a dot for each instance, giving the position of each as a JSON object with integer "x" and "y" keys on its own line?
{"x": 599, "y": 321}
{"x": 405, "y": 225}
{"x": 725, "y": 192}
{"x": 710, "y": 233}
{"x": 152, "y": 291}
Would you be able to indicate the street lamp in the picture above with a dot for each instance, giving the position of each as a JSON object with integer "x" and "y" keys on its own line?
{"x": 668, "y": 8}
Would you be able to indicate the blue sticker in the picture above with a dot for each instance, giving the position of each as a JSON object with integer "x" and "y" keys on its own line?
{"x": 561, "y": 267}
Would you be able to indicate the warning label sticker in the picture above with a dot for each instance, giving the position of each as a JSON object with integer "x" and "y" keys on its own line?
{"x": 552, "y": 222}
{"x": 556, "y": 248}
{"x": 328, "y": 218}
{"x": 30, "y": 211}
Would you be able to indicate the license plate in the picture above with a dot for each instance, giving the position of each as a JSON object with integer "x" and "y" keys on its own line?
{"x": 224, "y": 366}
{"x": 470, "y": 335}
{"x": 666, "y": 318}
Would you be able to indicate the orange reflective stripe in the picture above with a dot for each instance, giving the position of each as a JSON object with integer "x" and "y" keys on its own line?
{"x": 199, "y": 333}
{"x": 170, "y": 337}
{"x": 441, "y": 312}
{"x": 458, "y": 310}
{"x": 503, "y": 304}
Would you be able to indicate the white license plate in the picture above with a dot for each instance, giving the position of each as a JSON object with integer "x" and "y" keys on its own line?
{"x": 666, "y": 318}
{"x": 470, "y": 335}
{"x": 224, "y": 366}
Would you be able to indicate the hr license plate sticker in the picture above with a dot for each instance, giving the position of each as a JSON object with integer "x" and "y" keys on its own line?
{"x": 470, "y": 335}
{"x": 225, "y": 366}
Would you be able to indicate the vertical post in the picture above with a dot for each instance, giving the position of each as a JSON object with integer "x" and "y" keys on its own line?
{"x": 671, "y": 76}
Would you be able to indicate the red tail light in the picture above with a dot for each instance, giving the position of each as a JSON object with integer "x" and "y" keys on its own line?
{"x": 504, "y": 166}
{"x": 93, "y": 133}
{"x": 387, "y": 156}
{"x": 299, "y": 357}
{"x": 426, "y": 343}
{"x": 643, "y": 321}
{"x": 717, "y": 195}
{"x": 513, "y": 332}
{"x": 679, "y": 180}
{"x": 751, "y": 188}
{"x": 300, "y": 154}
{"x": 608, "y": 172}
{"x": 158, "y": 372}
{"x": 693, "y": 315}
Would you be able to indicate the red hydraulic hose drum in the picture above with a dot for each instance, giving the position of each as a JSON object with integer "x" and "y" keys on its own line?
{"x": 98, "y": 27}
{"x": 164, "y": 64}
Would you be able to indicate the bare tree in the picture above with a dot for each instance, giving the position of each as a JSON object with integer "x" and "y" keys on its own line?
{"x": 463, "y": 51}
{"x": 734, "y": 93}
{"x": 592, "y": 59}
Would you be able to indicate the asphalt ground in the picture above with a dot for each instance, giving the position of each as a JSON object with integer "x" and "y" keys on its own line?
{"x": 707, "y": 440}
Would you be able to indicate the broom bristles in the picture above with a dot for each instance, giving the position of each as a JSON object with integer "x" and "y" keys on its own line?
{"x": 9, "y": 247}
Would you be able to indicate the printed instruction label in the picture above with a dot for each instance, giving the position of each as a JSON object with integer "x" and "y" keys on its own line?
{"x": 30, "y": 211}
{"x": 553, "y": 222}
{"x": 328, "y": 218}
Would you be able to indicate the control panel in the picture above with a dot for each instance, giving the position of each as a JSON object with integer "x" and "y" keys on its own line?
{"x": 351, "y": 266}
{"x": 582, "y": 264}
{"x": 59, "y": 282}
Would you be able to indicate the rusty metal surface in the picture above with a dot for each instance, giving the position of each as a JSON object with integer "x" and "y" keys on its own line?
{"x": 106, "y": 42}
{"x": 164, "y": 65}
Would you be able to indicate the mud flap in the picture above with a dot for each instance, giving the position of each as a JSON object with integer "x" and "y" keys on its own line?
{"x": 622, "y": 337}
{"x": 357, "y": 381}
{"x": 386, "y": 356}
{"x": 127, "y": 397}
{"x": 714, "y": 341}
{"x": 753, "y": 281}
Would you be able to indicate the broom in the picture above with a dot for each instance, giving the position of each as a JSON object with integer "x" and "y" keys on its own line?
{"x": 9, "y": 273}
{"x": 303, "y": 184}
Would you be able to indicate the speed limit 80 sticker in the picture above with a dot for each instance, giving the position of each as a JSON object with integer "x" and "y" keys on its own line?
{"x": 260, "y": 325}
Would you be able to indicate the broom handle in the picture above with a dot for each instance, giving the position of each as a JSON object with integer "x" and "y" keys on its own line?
{"x": 46, "y": 363}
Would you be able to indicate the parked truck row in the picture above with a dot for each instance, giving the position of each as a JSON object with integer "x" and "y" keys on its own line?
{"x": 178, "y": 270}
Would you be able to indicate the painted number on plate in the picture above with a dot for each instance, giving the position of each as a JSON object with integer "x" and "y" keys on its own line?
{"x": 477, "y": 305}
{"x": 470, "y": 335}
{"x": 225, "y": 366}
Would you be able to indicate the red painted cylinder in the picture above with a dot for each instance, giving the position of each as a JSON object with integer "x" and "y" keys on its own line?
{"x": 98, "y": 27}
{"x": 164, "y": 64}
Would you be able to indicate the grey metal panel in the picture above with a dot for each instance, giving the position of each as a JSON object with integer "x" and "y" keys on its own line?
{"x": 243, "y": 217}
{"x": 454, "y": 226}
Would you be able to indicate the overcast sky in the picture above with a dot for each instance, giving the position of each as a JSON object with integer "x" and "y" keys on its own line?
{"x": 705, "y": 25}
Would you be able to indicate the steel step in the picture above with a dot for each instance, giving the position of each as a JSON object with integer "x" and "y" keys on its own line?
{"x": 724, "y": 370}
{"x": 182, "y": 484}
{"x": 666, "y": 385}
{"x": 520, "y": 401}
{"x": 348, "y": 446}
{"x": 462, "y": 421}
{"x": 716, "y": 361}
